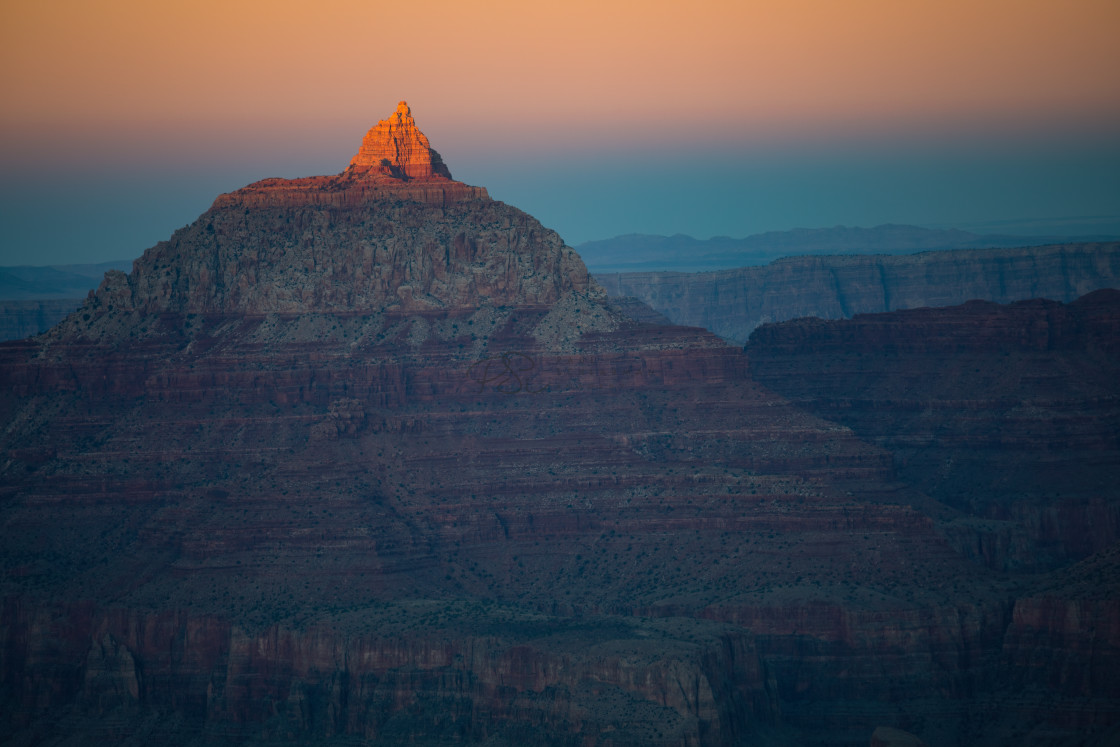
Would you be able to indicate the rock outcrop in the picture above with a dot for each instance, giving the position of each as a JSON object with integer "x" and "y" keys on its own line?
{"x": 396, "y": 147}
{"x": 394, "y": 162}
{"x": 379, "y": 254}
{"x": 395, "y": 470}
{"x": 404, "y": 236}
{"x": 732, "y": 303}
{"x": 1009, "y": 413}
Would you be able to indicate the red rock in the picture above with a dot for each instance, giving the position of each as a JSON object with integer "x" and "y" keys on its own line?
{"x": 395, "y": 162}
{"x": 396, "y": 147}
{"x": 395, "y": 470}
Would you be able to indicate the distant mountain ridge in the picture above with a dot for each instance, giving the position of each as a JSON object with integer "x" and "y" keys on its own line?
{"x": 732, "y": 303}
{"x": 27, "y": 282}
{"x": 34, "y": 299}
{"x": 682, "y": 253}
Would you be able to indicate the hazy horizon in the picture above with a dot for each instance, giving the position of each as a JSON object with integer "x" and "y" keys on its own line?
{"x": 124, "y": 121}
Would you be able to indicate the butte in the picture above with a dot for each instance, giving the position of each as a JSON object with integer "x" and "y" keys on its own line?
{"x": 371, "y": 458}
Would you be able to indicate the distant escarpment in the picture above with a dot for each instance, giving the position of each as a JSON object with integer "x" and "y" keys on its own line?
{"x": 732, "y": 303}
{"x": 26, "y": 318}
{"x": 1008, "y": 413}
{"x": 646, "y": 253}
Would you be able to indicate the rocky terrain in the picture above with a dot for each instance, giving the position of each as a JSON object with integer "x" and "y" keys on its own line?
{"x": 1009, "y": 413}
{"x": 732, "y": 303}
{"x": 372, "y": 459}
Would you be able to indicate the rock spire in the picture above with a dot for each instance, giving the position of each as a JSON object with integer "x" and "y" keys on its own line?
{"x": 395, "y": 161}
{"x": 396, "y": 147}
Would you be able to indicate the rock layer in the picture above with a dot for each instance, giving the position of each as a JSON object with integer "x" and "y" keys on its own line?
{"x": 1009, "y": 413}
{"x": 379, "y": 254}
{"x": 396, "y": 147}
{"x": 396, "y": 470}
{"x": 394, "y": 162}
{"x": 331, "y": 483}
{"x": 732, "y": 303}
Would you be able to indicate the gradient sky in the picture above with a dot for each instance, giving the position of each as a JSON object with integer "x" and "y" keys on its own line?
{"x": 121, "y": 120}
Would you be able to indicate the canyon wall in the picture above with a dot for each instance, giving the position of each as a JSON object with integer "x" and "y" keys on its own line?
{"x": 391, "y": 468}
{"x": 732, "y": 303}
{"x": 1010, "y": 413}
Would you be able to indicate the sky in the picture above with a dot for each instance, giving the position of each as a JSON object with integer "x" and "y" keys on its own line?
{"x": 121, "y": 120}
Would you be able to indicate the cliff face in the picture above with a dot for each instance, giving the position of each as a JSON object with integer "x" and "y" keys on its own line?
{"x": 629, "y": 540}
{"x": 1009, "y": 413}
{"x": 398, "y": 236}
{"x": 338, "y": 482}
{"x": 378, "y": 255}
{"x": 396, "y": 147}
{"x": 396, "y": 470}
{"x": 26, "y": 318}
{"x": 732, "y": 303}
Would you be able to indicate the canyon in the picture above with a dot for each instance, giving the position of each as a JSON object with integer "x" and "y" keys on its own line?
{"x": 732, "y": 303}
{"x": 373, "y": 459}
{"x": 633, "y": 253}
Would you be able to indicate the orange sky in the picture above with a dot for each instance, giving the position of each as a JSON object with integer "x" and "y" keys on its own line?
{"x": 574, "y": 70}
{"x": 121, "y": 119}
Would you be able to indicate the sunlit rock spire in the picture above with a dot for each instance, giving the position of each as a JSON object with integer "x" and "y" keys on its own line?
{"x": 396, "y": 147}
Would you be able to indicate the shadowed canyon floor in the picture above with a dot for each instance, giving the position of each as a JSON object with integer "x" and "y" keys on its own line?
{"x": 372, "y": 459}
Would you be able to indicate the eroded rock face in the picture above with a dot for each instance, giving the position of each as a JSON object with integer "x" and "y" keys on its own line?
{"x": 404, "y": 513}
{"x": 732, "y": 303}
{"x": 394, "y": 163}
{"x": 396, "y": 147}
{"x": 402, "y": 238}
{"x": 393, "y": 468}
{"x": 1009, "y": 413}
{"x": 378, "y": 255}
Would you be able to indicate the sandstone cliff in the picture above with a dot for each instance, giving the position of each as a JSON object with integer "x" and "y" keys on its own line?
{"x": 732, "y": 303}
{"x": 392, "y": 469}
{"x": 398, "y": 235}
{"x": 396, "y": 147}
